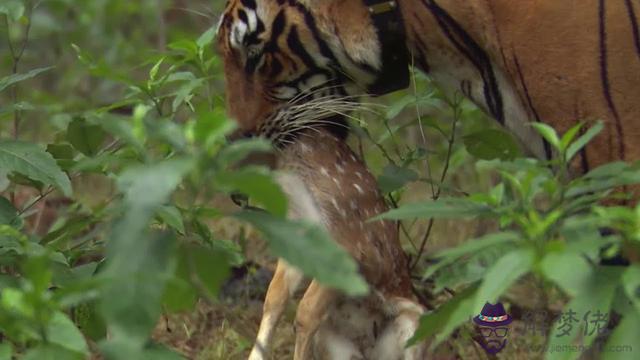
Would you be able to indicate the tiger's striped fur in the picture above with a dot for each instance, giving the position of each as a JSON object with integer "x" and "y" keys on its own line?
{"x": 554, "y": 61}
{"x": 521, "y": 61}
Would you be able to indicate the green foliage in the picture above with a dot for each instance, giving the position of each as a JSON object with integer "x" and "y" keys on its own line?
{"x": 310, "y": 255}
{"x": 155, "y": 138}
{"x": 16, "y": 78}
{"x": 33, "y": 162}
{"x": 491, "y": 144}
{"x": 86, "y": 138}
{"x": 550, "y": 227}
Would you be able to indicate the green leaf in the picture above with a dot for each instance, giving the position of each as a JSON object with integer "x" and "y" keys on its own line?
{"x": 631, "y": 284}
{"x": 90, "y": 322}
{"x": 63, "y": 332}
{"x": 394, "y": 177}
{"x": 6, "y": 350}
{"x": 167, "y": 130}
{"x": 51, "y": 352}
{"x": 583, "y": 140}
{"x": 472, "y": 246}
{"x": 4, "y": 180}
{"x": 33, "y": 162}
{"x": 154, "y": 70}
{"x": 446, "y": 318}
{"x": 149, "y": 186}
{"x": 212, "y": 127}
{"x": 232, "y": 251}
{"x": 122, "y": 130}
{"x": 14, "y": 9}
{"x": 259, "y": 186}
{"x": 568, "y": 136}
{"x": 63, "y": 153}
{"x": 398, "y": 105}
{"x": 19, "y": 106}
{"x": 503, "y": 274}
{"x": 207, "y": 37}
{"x": 240, "y": 149}
{"x": 179, "y": 294}
{"x": 492, "y": 144}
{"x": 443, "y": 208}
{"x": 570, "y": 271}
{"x": 548, "y": 133}
{"x": 8, "y": 213}
{"x": 187, "y": 46}
{"x": 139, "y": 264}
{"x": 16, "y": 78}
{"x": 185, "y": 93}
{"x": 596, "y": 296}
{"x": 599, "y": 180}
{"x": 171, "y": 216}
{"x": 475, "y": 245}
{"x": 136, "y": 275}
{"x": 614, "y": 168}
{"x": 123, "y": 350}
{"x": 309, "y": 248}
{"x": 624, "y": 338}
{"x": 85, "y": 137}
{"x": 209, "y": 265}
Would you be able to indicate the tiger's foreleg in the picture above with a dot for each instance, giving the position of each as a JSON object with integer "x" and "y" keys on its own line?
{"x": 284, "y": 284}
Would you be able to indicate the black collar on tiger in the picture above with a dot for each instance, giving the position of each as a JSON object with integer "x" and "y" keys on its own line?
{"x": 394, "y": 74}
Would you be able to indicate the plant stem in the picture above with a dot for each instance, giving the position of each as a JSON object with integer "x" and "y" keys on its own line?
{"x": 419, "y": 114}
{"x": 16, "y": 56}
{"x": 436, "y": 194}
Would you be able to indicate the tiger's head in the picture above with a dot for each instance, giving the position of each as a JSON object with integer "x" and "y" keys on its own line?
{"x": 284, "y": 58}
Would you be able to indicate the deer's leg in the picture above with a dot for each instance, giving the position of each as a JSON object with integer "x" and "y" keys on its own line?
{"x": 312, "y": 311}
{"x": 330, "y": 344}
{"x": 391, "y": 344}
{"x": 284, "y": 284}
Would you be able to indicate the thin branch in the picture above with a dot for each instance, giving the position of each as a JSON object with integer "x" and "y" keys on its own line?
{"x": 401, "y": 225}
{"x": 16, "y": 56}
{"x": 443, "y": 175}
{"x": 37, "y": 200}
{"x": 423, "y": 244}
{"x": 419, "y": 114}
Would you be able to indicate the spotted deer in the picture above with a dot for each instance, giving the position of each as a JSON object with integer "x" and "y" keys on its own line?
{"x": 327, "y": 184}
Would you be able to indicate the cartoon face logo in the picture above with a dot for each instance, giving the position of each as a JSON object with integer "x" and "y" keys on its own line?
{"x": 492, "y": 325}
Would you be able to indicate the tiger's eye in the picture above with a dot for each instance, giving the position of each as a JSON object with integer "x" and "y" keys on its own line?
{"x": 253, "y": 52}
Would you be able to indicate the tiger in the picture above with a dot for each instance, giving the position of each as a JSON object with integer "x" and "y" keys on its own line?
{"x": 557, "y": 62}
{"x": 291, "y": 65}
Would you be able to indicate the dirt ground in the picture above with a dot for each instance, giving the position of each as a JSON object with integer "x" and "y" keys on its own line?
{"x": 225, "y": 330}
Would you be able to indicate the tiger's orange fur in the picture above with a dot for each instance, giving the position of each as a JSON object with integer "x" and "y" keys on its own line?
{"x": 559, "y": 62}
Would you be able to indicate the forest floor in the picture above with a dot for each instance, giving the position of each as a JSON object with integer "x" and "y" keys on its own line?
{"x": 226, "y": 329}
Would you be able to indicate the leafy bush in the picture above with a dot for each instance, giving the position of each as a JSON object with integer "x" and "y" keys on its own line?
{"x": 162, "y": 147}
{"x": 553, "y": 227}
